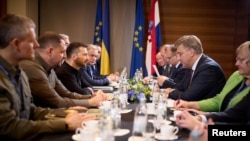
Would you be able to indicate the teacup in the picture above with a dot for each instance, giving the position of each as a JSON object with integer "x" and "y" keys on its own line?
{"x": 90, "y": 125}
{"x": 85, "y": 134}
{"x": 168, "y": 130}
{"x": 106, "y": 104}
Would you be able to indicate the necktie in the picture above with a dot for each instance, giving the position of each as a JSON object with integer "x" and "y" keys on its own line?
{"x": 191, "y": 76}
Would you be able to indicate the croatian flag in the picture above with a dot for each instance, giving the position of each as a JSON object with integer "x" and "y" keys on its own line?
{"x": 154, "y": 37}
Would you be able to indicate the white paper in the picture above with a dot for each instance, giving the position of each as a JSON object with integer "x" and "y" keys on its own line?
{"x": 156, "y": 70}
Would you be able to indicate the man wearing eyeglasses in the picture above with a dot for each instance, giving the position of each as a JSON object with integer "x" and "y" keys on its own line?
{"x": 206, "y": 77}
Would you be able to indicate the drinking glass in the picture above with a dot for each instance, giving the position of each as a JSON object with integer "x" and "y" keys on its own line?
{"x": 149, "y": 132}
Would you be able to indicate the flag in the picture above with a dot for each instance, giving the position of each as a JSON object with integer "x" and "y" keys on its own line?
{"x": 102, "y": 36}
{"x": 98, "y": 32}
{"x": 154, "y": 37}
{"x": 137, "y": 49}
{"x": 98, "y": 24}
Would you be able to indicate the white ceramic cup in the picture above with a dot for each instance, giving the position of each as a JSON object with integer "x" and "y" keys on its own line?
{"x": 176, "y": 112}
{"x": 168, "y": 130}
{"x": 85, "y": 134}
{"x": 90, "y": 125}
{"x": 106, "y": 104}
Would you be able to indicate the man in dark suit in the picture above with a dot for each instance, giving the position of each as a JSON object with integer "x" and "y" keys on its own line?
{"x": 161, "y": 64}
{"x": 87, "y": 72}
{"x": 164, "y": 50}
{"x": 178, "y": 71}
{"x": 206, "y": 78}
{"x": 96, "y": 66}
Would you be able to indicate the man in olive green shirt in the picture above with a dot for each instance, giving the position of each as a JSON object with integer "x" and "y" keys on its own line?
{"x": 46, "y": 88}
{"x": 20, "y": 119}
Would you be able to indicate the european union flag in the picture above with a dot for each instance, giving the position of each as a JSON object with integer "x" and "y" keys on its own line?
{"x": 137, "y": 50}
{"x": 98, "y": 24}
{"x": 105, "y": 58}
{"x": 102, "y": 36}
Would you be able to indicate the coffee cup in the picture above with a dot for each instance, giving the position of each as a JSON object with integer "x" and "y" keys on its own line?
{"x": 85, "y": 134}
{"x": 90, "y": 125}
{"x": 168, "y": 130}
{"x": 106, "y": 104}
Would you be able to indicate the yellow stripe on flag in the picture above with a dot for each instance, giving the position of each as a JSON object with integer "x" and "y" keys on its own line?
{"x": 105, "y": 64}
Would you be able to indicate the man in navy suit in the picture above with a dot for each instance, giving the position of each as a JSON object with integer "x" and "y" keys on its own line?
{"x": 88, "y": 74}
{"x": 165, "y": 49}
{"x": 178, "y": 71}
{"x": 206, "y": 77}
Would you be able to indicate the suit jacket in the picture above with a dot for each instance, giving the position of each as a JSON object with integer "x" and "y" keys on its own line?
{"x": 17, "y": 123}
{"x": 214, "y": 104}
{"x": 47, "y": 89}
{"x": 71, "y": 78}
{"x": 92, "y": 71}
{"x": 177, "y": 76}
{"x": 208, "y": 80}
{"x": 89, "y": 77}
{"x": 97, "y": 68}
{"x": 240, "y": 113}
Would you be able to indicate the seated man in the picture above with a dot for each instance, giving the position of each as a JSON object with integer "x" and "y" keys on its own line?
{"x": 161, "y": 67}
{"x": 168, "y": 69}
{"x": 236, "y": 87}
{"x": 96, "y": 67}
{"x": 46, "y": 88}
{"x": 178, "y": 72}
{"x": 206, "y": 78}
{"x": 20, "y": 119}
{"x": 68, "y": 72}
{"x": 87, "y": 71}
{"x": 161, "y": 64}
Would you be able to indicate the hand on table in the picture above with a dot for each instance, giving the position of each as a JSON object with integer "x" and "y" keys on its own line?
{"x": 74, "y": 120}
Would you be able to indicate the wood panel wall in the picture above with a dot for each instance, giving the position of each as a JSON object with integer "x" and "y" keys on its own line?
{"x": 221, "y": 25}
{"x": 3, "y": 7}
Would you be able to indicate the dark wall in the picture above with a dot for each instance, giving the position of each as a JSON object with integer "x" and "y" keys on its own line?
{"x": 3, "y": 7}
{"x": 221, "y": 25}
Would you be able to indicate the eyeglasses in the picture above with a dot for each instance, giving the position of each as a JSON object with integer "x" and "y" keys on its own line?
{"x": 240, "y": 60}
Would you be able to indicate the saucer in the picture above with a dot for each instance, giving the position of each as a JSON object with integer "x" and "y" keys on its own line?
{"x": 76, "y": 137}
{"x": 125, "y": 111}
{"x": 164, "y": 122}
{"x": 121, "y": 132}
{"x": 135, "y": 138}
{"x": 158, "y": 136}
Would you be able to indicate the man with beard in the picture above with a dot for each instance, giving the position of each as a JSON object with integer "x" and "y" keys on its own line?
{"x": 68, "y": 72}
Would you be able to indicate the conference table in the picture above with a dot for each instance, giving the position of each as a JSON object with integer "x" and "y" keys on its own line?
{"x": 126, "y": 123}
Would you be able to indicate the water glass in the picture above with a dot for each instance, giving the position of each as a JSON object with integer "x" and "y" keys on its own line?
{"x": 149, "y": 132}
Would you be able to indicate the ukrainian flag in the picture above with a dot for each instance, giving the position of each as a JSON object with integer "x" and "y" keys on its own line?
{"x": 102, "y": 36}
